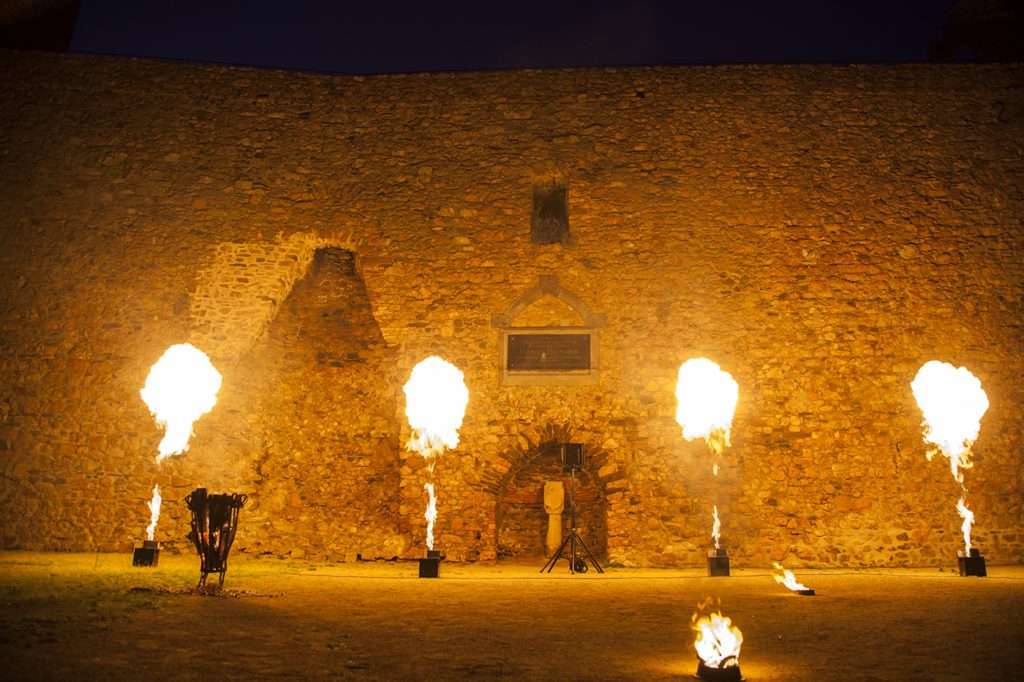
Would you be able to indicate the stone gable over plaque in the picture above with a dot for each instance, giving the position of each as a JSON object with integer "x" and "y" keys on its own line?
{"x": 548, "y": 337}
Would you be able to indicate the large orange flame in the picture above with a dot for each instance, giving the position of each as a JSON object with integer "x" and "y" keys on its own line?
{"x": 706, "y": 398}
{"x": 953, "y": 403}
{"x": 718, "y": 640}
{"x": 435, "y": 403}
{"x": 181, "y": 387}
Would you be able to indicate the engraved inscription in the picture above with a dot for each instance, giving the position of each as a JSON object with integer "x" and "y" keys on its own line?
{"x": 548, "y": 352}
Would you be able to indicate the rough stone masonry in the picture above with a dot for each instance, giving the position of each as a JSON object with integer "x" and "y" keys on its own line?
{"x": 818, "y": 231}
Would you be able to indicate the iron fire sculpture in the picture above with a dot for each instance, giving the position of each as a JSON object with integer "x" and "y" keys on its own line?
{"x": 214, "y": 523}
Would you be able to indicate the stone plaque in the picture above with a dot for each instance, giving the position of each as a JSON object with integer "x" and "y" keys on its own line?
{"x": 548, "y": 352}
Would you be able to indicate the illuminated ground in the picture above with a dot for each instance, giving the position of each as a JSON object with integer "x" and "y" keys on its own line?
{"x": 93, "y": 616}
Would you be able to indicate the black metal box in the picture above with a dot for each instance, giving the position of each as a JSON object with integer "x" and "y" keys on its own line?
{"x": 430, "y": 567}
{"x": 972, "y": 564}
{"x": 147, "y": 555}
{"x": 718, "y": 563}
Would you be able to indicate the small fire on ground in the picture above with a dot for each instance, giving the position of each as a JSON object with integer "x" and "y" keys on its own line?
{"x": 181, "y": 387}
{"x": 785, "y": 577}
{"x": 718, "y": 640}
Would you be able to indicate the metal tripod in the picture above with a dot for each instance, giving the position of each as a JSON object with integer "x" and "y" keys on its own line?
{"x": 577, "y": 564}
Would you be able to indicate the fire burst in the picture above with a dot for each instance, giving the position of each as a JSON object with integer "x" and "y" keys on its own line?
{"x": 181, "y": 387}
{"x": 435, "y": 403}
{"x": 953, "y": 403}
{"x": 718, "y": 640}
{"x": 707, "y": 400}
{"x": 154, "y": 512}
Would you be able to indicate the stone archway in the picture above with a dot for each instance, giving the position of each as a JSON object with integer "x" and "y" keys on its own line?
{"x": 520, "y": 519}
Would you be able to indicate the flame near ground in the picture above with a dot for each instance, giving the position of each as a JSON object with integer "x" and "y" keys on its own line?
{"x": 785, "y": 577}
{"x": 181, "y": 387}
{"x": 717, "y": 641}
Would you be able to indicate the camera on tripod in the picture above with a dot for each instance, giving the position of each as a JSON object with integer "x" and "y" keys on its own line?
{"x": 573, "y": 456}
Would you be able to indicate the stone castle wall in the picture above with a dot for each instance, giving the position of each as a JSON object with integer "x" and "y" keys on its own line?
{"x": 819, "y": 231}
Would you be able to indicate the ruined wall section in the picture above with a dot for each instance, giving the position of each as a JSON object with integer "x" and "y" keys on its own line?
{"x": 818, "y": 231}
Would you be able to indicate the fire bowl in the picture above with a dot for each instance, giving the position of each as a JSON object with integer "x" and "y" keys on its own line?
{"x": 147, "y": 555}
{"x": 971, "y": 564}
{"x": 807, "y": 593}
{"x": 430, "y": 567}
{"x": 718, "y": 563}
{"x": 434, "y": 554}
{"x": 727, "y": 674}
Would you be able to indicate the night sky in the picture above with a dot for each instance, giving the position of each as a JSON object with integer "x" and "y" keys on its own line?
{"x": 384, "y": 37}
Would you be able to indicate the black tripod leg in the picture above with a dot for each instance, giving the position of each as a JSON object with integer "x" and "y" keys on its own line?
{"x": 589, "y": 554}
{"x": 558, "y": 553}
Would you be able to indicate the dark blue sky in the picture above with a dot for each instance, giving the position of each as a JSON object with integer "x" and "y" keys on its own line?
{"x": 382, "y": 36}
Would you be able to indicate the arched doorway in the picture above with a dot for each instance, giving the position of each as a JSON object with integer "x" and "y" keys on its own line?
{"x": 520, "y": 519}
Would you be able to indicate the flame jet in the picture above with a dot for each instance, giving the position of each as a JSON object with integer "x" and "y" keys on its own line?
{"x": 706, "y": 401}
{"x": 716, "y": 529}
{"x": 181, "y": 387}
{"x": 953, "y": 403}
{"x": 154, "y": 512}
{"x": 431, "y": 514}
{"x": 435, "y": 403}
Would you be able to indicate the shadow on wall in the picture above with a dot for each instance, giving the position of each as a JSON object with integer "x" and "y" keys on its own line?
{"x": 314, "y": 399}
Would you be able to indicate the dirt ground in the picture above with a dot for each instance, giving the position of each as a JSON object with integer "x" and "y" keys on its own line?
{"x": 84, "y": 616}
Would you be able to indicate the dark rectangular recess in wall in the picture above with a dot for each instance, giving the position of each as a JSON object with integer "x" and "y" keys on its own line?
{"x": 548, "y": 352}
{"x": 550, "y": 224}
